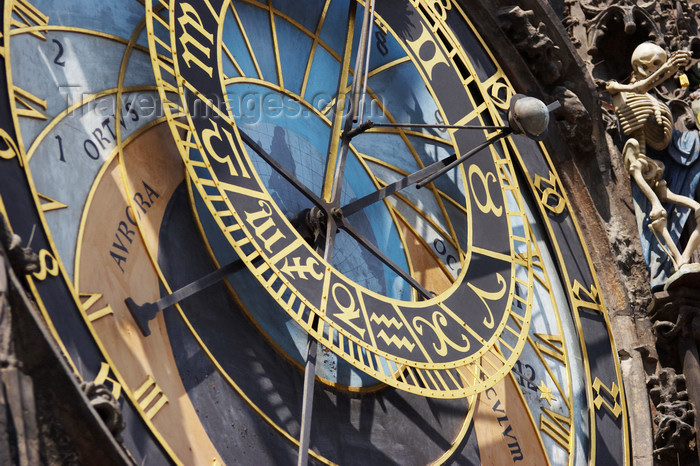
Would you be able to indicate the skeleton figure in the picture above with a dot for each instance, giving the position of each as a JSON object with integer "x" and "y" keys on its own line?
{"x": 647, "y": 121}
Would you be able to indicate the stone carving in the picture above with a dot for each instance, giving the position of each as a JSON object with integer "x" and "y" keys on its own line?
{"x": 23, "y": 260}
{"x": 675, "y": 415}
{"x": 552, "y": 67}
{"x": 648, "y": 122}
{"x": 532, "y": 42}
{"x": 106, "y": 405}
{"x": 18, "y": 426}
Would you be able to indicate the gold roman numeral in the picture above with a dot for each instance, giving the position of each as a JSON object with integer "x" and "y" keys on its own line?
{"x": 25, "y": 16}
{"x": 47, "y": 204}
{"x": 32, "y": 105}
{"x": 612, "y": 392}
{"x": 588, "y": 299}
{"x": 89, "y": 302}
{"x": 103, "y": 377}
{"x": 552, "y": 346}
{"x": 150, "y": 397}
{"x": 556, "y": 426}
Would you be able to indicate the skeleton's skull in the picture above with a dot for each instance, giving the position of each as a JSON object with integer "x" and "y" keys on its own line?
{"x": 647, "y": 58}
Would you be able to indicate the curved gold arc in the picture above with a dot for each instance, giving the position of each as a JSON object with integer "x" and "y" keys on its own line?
{"x": 500, "y": 369}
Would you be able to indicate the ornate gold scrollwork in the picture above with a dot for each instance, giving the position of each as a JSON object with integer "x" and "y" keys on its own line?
{"x": 487, "y": 205}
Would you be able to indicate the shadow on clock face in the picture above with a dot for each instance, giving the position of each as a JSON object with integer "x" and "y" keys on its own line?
{"x": 241, "y": 377}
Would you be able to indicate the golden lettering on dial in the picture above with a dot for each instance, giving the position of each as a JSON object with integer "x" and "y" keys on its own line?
{"x": 150, "y": 397}
{"x": 440, "y": 321}
{"x": 551, "y": 345}
{"x": 302, "y": 270}
{"x": 586, "y": 299}
{"x": 427, "y": 51}
{"x": 502, "y": 418}
{"x": 48, "y": 265}
{"x": 557, "y": 426}
{"x": 190, "y": 17}
{"x": 94, "y": 314}
{"x": 393, "y": 339}
{"x": 345, "y": 301}
{"x": 47, "y": 204}
{"x": 602, "y": 391}
{"x": 439, "y": 8}
{"x": 491, "y": 296}
{"x": 264, "y": 226}
{"x": 29, "y": 105}
{"x": 208, "y": 135}
{"x": 12, "y": 150}
{"x": 487, "y": 205}
{"x": 550, "y": 197}
{"x": 103, "y": 377}
{"x": 29, "y": 16}
{"x": 126, "y": 228}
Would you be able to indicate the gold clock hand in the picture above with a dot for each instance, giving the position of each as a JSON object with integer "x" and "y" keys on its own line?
{"x": 331, "y": 193}
{"x": 339, "y": 124}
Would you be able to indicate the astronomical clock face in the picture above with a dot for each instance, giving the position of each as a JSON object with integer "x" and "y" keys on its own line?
{"x": 145, "y": 145}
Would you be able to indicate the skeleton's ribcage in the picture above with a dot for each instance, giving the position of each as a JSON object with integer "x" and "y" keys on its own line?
{"x": 642, "y": 112}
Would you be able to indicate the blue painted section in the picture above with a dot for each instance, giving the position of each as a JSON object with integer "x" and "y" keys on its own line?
{"x": 408, "y": 102}
{"x": 682, "y": 175}
{"x": 295, "y": 47}
{"x": 233, "y": 39}
{"x": 335, "y": 26}
{"x": 88, "y": 142}
{"x": 117, "y": 18}
{"x": 323, "y": 79}
{"x": 308, "y": 16}
{"x": 256, "y": 23}
{"x": 389, "y": 148}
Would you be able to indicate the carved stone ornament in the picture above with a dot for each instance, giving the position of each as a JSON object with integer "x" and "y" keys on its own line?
{"x": 675, "y": 415}
{"x": 529, "y": 37}
{"x": 102, "y": 399}
{"x": 552, "y": 67}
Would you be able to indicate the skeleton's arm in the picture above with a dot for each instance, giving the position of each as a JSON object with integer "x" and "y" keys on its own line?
{"x": 678, "y": 59}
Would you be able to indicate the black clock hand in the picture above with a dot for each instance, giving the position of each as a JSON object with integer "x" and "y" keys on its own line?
{"x": 310, "y": 195}
{"x": 344, "y": 225}
{"x": 527, "y": 116}
{"x": 422, "y": 177}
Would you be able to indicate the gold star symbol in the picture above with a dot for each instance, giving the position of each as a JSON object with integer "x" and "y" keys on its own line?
{"x": 546, "y": 393}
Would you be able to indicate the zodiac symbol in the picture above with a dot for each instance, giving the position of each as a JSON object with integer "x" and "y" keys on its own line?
{"x": 439, "y": 321}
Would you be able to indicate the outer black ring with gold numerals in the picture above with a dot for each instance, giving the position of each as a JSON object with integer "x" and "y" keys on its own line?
{"x": 449, "y": 346}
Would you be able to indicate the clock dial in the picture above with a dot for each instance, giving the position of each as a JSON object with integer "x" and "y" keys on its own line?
{"x": 148, "y": 145}
{"x": 452, "y": 345}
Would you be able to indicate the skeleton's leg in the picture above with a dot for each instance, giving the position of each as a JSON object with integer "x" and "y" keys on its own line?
{"x": 658, "y": 225}
{"x": 667, "y": 195}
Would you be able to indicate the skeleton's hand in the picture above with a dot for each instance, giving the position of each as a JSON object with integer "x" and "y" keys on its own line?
{"x": 679, "y": 59}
